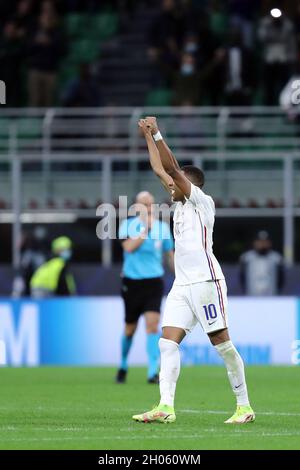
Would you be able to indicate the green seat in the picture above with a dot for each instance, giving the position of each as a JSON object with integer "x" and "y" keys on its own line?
{"x": 76, "y": 25}
{"x": 4, "y": 134}
{"x": 159, "y": 97}
{"x": 103, "y": 26}
{"x": 67, "y": 71}
{"x": 29, "y": 127}
{"x": 218, "y": 23}
{"x": 4, "y": 127}
{"x": 83, "y": 50}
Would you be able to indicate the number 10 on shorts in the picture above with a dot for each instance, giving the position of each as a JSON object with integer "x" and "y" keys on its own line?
{"x": 210, "y": 311}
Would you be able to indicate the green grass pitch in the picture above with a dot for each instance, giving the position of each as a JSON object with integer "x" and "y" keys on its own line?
{"x": 82, "y": 408}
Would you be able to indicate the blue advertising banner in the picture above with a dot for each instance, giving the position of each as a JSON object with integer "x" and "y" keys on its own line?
{"x": 87, "y": 331}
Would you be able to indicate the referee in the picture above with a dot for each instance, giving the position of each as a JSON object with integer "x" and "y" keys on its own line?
{"x": 144, "y": 241}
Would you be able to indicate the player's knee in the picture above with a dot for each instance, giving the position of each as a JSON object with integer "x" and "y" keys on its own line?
{"x": 167, "y": 345}
{"x": 219, "y": 337}
{"x": 152, "y": 326}
{"x": 173, "y": 333}
{"x": 130, "y": 329}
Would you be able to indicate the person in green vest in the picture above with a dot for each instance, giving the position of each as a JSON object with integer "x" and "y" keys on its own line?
{"x": 53, "y": 277}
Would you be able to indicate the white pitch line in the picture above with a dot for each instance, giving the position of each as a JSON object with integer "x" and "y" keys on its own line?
{"x": 132, "y": 410}
{"x": 218, "y": 412}
{"x": 152, "y": 436}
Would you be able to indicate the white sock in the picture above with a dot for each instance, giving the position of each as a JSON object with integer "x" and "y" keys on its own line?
{"x": 235, "y": 369}
{"x": 169, "y": 370}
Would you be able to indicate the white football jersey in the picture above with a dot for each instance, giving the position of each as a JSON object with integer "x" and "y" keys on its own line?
{"x": 193, "y": 233}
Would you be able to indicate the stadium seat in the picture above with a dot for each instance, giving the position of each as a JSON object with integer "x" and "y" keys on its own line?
{"x": 76, "y": 25}
{"x": 272, "y": 204}
{"x": 29, "y": 127}
{"x": 219, "y": 203}
{"x": 3, "y": 204}
{"x": 235, "y": 203}
{"x": 159, "y": 97}
{"x": 252, "y": 203}
{"x": 103, "y": 26}
{"x": 83, "y": 204}
{"x": 84, "y": 50}
{"x": 51, "y": 204}
{"x": 4, "y": 134}
{"x": 33, "y": 204}
{"x": 67, "y": 72}
{"x": 68, "y": 204}
{"x": 219, "y": 23}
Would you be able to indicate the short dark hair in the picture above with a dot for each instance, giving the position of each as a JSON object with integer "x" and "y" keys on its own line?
{"x": 194, "y": 174}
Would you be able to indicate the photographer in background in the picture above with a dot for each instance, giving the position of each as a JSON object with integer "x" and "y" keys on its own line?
{"x": 262, "y": 269}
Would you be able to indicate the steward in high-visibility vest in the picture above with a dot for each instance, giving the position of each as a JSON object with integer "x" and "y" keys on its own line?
{"x": 53, "y": 277}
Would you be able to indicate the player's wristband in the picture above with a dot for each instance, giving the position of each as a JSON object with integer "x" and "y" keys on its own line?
{"x": 157, "y": 136}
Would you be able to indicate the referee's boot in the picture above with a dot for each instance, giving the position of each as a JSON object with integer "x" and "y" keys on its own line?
{"x": 121, "y": 376}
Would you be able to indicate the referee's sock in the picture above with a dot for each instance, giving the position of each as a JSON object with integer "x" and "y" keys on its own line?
{"x": 153, "y": 354}
{"x": 126, "y": 343}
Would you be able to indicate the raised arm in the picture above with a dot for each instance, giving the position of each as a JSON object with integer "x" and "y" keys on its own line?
{"x": 155, "y": 160}
{"x": 168, "y": 160}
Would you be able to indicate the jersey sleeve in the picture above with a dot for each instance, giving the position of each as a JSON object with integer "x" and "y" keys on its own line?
{"x": 198, "y": 197}
{"x": 168, "y": 243}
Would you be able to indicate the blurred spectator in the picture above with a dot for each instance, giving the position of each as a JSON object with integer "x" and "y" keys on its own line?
{"x": 49, "y": 7}
{"x": 53, "y": 277}
{"x": 11, "y": 53}
{"x": 34, "y": 252}
{"x": 82, "y": 91}
{"x": 165, "y": 38}
{"x": 186, "y": 83}
{"x": 279, "y": 55}
{"x": 239, "y": 69}
{"x": 24, "y": 17}
{"x": 262, "y": 271}
{"x": 200, "y": 46}
{"x": 7, "y": 9}
{"x": 242, "y": 16}
{"x": 216, "y": 18}
{"x": 189, "y": 83}
{"x": 45, "y": 50}
{"x": 207, "y": 40}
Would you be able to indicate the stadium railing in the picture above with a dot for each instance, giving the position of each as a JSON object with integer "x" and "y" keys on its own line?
{"x": 56, "y": 156}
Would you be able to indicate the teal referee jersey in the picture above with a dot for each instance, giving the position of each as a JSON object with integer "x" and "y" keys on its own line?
{"x": 145, "y": 262}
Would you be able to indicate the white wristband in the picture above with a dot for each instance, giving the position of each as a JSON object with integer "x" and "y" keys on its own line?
{"x": 157, "y": 136}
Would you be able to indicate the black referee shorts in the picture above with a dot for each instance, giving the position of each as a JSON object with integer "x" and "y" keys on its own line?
{"x": 141, "y": 296}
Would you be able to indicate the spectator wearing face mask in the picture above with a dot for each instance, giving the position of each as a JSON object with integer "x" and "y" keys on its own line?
{"x": 262, "y": 269}
{"x": 53, "y": 278}
{"x": 164, "y": 38}
{"x": 190, "y": 82}
{"x": 187, "y": 82}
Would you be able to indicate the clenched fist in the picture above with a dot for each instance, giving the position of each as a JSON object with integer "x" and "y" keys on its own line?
{"x": 151, "y": 122}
